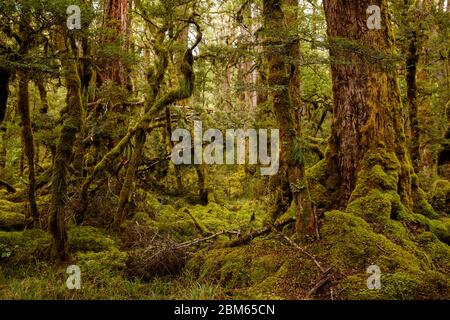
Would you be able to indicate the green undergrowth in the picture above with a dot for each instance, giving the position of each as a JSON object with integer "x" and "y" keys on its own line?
{"x": 411, "y": 250}
{"x": 189, "y": 222}
{"x": 409, "y": 245}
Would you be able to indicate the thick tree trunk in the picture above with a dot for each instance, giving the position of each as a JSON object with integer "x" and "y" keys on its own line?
{"x": 72, "y": 123}
{"x": 284, "y": 84}
{"x": 368, "y": 125}
{"x": 116, "y": 21}
{"x": 28, "y": 143}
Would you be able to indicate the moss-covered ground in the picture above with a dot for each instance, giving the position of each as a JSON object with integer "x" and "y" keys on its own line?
{"x": 410, "y": 246}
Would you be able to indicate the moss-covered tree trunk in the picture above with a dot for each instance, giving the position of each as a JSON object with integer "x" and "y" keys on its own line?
{"x": 139, "y": 139}
{"x": 368, "y": 150}
{"x": 28, "y": 143}
{"x": 72, "y": 123}
{"x": 283, "y": 80}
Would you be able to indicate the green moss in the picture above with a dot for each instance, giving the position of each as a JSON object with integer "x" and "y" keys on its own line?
{"x": 353, "y": 244}
{"x": 440, "y": 197}
{"x": 320, "y": 185}
{"x": 12, "y": 206}
{"x": 375, "y": 178}
{"x": 438, "y": 252}
{"x": 408, "y": 267}
{"x": 12, "y": 221}
{"x": 152, "y": 201}
{"x": 101, "y": 266}
{"x": 375, "y": 207}
{"x": 440, "y": 227}
{"x": 141, "y": 218}
{"x": 22, "y": 247}
{"x": 87, "y": 239}
{"x": 422, "y": 206}
{"x": 239, "y": 267}
{"x": 397, "y": 286}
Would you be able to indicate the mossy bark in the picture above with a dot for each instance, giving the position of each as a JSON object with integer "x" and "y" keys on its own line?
{"x": 72, "y": 124}
{"x": 139, "y": 139}
{"x": 368, "y": 125}
{"x": 28, "y": 143}
{"x": 182, "y": 91}
{"x": 283, "y": 80}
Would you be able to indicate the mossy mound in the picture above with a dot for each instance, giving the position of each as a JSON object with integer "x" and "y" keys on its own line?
{"x": 412, "y": 267}
{"x": 11, "y": 221}
{"x": 12, "y": 217}
{"x": 409, "y": 270}
{"x": 260, "y": 270}
{"x": 89, "y": 239}
{"x": 9, "y": 206}
{"x": 440, "y": 197}
{"x": 190, "y": 222}
{"x": 21, "y": 247}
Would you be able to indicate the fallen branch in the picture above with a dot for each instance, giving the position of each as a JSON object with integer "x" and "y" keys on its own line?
{"x": 265, "y": 230}
{"x": 200, "y": 229}
{"x": 200, "y": 240}
{"x": 324, "y": 278}
{"x": 303, "y": 250}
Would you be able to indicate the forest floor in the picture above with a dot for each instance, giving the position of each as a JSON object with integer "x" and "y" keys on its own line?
{"x": 154, "y": 256}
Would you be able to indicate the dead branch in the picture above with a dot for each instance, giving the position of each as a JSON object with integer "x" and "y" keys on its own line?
{"x": 265, "y": 230}
{"x": 201, "y": 240}
{"x": 324, "y": 278}
{"x": 303, "y": 250}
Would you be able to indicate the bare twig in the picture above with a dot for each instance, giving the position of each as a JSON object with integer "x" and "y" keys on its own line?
{"x": 200, "y": 240}
{"x": 265, "y": 230}
{"x": 303, "y": 250}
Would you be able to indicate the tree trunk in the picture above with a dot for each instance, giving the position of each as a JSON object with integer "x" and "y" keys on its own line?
{"x": 283, "y": 81}
{"x": 117, "y": 22}
{"x": 72, "y": 124}
{"x": 28, "y": 143}
{"x": 368, "y": 125}
{"x": 139, "y": 138}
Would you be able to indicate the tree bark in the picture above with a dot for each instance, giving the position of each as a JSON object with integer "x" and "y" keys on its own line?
{"x": 72, "y": 123}
{"x": 283, "y": 80}
{"x": 368, "y": 125}
{"x": 28, "y": 143}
